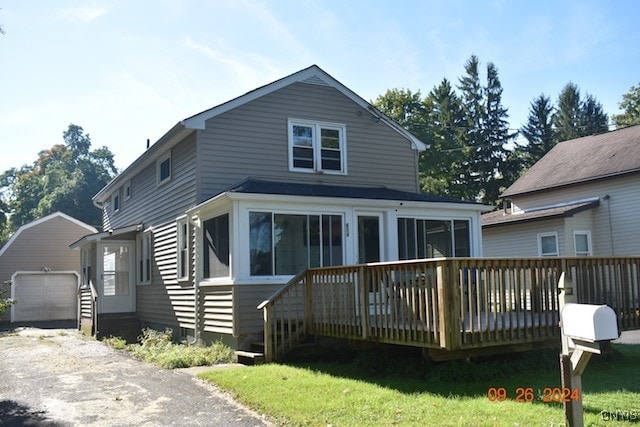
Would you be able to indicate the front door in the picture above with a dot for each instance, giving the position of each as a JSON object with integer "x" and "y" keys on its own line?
{"x": 116, "y": 276}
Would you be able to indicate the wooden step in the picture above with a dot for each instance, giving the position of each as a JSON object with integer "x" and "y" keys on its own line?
{"x": 249, "y": 357}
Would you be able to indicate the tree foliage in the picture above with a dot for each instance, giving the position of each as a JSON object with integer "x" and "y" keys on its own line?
{"x": 575, "y": 117}
{"x": 538, "y": 131}
{"x": 63, "y": 178}
{"x": 630, "y": 105}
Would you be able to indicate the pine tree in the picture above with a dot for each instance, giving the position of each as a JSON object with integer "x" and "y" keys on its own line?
{"x": 538, "y": 131}
{"x": 567, "y": 118}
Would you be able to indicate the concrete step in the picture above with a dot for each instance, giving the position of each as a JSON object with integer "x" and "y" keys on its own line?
{"x": 249, "y": 357}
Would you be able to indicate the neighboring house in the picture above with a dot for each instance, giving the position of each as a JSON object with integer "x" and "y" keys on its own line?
{"x": 230, "y": 204}
{"x": 39, "y": 270}
{"x": 581, "y": 199}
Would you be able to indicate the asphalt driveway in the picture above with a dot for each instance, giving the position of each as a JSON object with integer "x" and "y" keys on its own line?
{"x": 59, "y": 377}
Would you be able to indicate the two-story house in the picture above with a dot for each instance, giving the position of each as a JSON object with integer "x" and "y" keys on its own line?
{"x": 580, "y": 199}
{"x": 233, "y": 202}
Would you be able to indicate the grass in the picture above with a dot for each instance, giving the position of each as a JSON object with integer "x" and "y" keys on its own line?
{"x": 159, "y": 348}
{"x": 382, "y": 389}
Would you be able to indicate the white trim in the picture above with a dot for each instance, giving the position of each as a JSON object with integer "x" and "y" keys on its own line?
{"x": 40, "y": 221}
{"x": 316, "y": 145}
{"x": 589, "y": 245}
{"x": 548, "y": 234}
{"x": 40, "y": 272}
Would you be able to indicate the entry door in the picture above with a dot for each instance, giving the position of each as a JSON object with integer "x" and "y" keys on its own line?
{"x": 370, "y": 237}
{"x": 116, "y": 277}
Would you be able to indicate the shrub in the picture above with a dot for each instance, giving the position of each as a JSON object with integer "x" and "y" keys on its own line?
{"x": 5, "y": 303}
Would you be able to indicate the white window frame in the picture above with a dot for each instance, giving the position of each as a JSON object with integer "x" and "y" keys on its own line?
{"x": 589, "y": 246}
{"x": 183, "y": 248}
{"x": 316, "y": 145}
{"x": 166, "y": 156}
{"x": 548, "y": 234}
{"x": 127, "y": 190}
{"x": 144, "y": 258}
{"x": 115, "y": 200}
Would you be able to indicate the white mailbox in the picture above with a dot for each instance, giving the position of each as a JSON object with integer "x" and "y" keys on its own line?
{"x": 587, "y": 322}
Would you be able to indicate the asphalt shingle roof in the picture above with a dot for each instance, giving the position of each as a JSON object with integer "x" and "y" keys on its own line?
{"x": 501, "y": 217}
{"x": 581, "y": 160}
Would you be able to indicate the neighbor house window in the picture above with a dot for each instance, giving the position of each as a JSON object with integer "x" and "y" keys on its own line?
{"x": 315, "y": 146}
{"x": 286, "y": 244}
{"x": 182, "y": 249}
{"x": 216, "y": 247}
{"x": 582, "y": 243}
{"x": 548, "y": 244}
{"x": 163, "y": 166}
{"x": 143, "y": 257}
{"x": 426, "y": 238}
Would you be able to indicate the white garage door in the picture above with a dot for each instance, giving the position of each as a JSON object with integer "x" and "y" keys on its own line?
{"x": 44, "y": 296}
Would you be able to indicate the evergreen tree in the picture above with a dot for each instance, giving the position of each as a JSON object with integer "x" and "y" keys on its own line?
{"x": 593, "y": 119}
{"x": 538, "y": 131}
{"x": 567, "y": 118}
{"x": 441, "y": 166}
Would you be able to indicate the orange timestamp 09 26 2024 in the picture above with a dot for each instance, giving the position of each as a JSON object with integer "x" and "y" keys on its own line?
{"x": 528, "y": 394}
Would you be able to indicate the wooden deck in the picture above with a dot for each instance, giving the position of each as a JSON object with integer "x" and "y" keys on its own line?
{"x": 451, "y": 305}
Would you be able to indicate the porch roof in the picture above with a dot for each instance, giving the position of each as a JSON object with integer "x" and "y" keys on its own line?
{"x": 500, "y": 217}
{"x": 258, "y": 186}
{"x": 116, "y": 232}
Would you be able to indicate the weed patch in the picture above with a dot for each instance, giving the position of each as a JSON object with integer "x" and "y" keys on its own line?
{"x": 160, "y": 349}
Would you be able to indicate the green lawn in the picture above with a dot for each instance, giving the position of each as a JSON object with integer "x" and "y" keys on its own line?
{"x": 381, "y": 389}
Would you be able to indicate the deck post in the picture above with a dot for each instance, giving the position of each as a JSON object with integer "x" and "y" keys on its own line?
{"x": 268, "y": 333}
{"x": 363, "y": 300}
{"x": 308, "y": 302}
{"x": 449, "y": 310}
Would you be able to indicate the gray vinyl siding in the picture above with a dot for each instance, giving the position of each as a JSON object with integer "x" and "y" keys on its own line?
{"x": 623, "y": 207}
{"x": 582, "y": 221}
{"x": 42, "y": 245}
{"x": 165, "y": 300}
{"x": 217, "y": 308}
{"x": 252, "y": 141}
{"x": 152, "y": 204}
{"x": 520, "y": 240}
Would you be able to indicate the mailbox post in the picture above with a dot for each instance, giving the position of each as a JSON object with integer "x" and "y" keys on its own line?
{"x": 583, "y": 327}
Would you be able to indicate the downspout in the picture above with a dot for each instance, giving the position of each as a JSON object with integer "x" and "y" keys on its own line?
{"x": 608, "y": 200}
{"x": 197, "y": 278}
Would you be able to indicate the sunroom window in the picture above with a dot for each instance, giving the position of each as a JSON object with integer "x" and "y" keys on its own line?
{"x": 286, "y": 244}
{"x": 216, "y": 247}
{"x": 315, "y": 146}
{"x": 425, "y": 238}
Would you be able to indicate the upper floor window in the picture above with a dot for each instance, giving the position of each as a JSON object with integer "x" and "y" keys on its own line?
{"x": 548, "y": 244}
{"x": 317, "y": 147}
{"x": 127, "y": 190}
{"x": 163, "y": 168}
{"x": 115, "y": 201}
{"x": 582, "y": 243}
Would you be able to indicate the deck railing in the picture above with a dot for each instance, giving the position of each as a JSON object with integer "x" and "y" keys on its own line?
{"x": 87, "y": 310}
{"x": 447, "y": 304}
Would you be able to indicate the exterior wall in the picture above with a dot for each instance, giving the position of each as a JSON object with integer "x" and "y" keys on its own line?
{"x": 521, "y": 240}
{"x": 582, "y": 221}
{"x": 249, "y": 320}
{"x": 165, "y": 301}
{"x": 619, "y": 237}
{"x": 42, "y": 245}
{"x": 252, "y": 140}
{"x": 152, "y": 204}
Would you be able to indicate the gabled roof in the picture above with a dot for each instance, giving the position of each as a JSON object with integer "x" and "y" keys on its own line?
{"x": 582, "y": 160}
{"x": 500, "y": 217}
{"x": 42, "y": 220}
{"x": 310, "y": 75}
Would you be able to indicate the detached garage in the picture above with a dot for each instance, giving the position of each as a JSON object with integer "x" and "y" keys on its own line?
{"x": 44, "y": 295}
{"x": 39, "y": 271}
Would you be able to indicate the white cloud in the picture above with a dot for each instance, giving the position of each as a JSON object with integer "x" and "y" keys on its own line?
{"x": 83, "y": 13}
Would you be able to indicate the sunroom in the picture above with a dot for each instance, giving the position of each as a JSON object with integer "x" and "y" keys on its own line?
{"x": 255, "y": 237}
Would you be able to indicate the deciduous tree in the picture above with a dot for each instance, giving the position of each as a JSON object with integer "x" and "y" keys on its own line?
{"x": 630, "y": 106}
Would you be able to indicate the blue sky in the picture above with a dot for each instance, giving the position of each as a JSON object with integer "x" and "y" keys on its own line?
{"x": 129, "y": 70}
